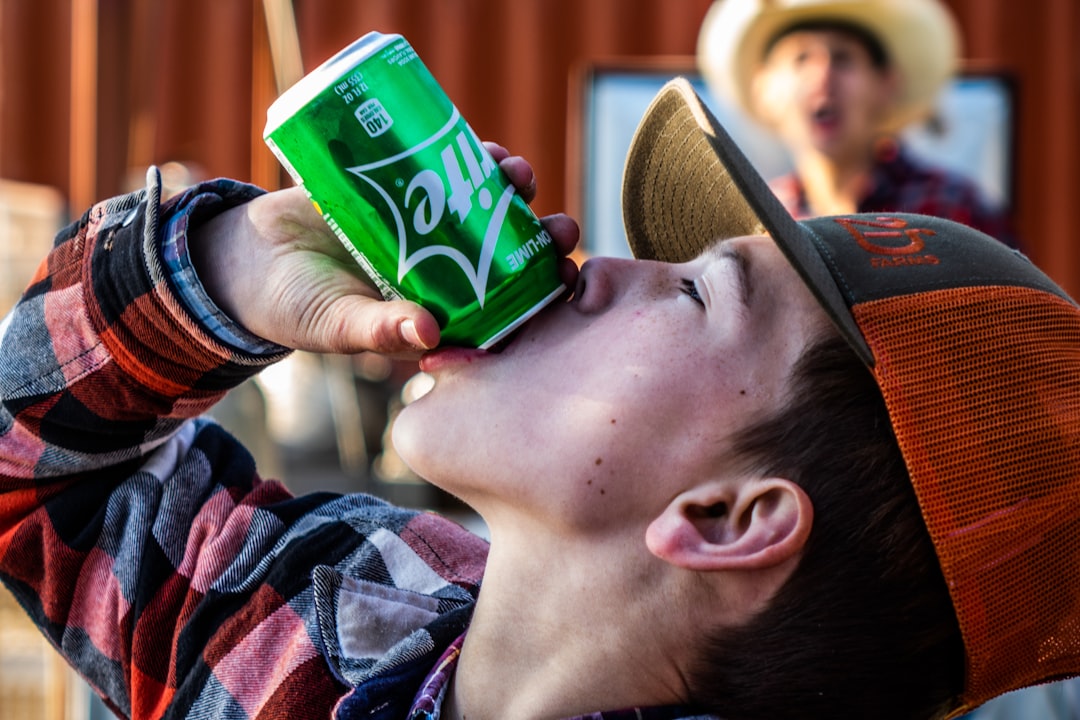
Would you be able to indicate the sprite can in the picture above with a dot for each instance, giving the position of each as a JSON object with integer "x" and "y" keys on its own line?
{"x": 407, "y": 186}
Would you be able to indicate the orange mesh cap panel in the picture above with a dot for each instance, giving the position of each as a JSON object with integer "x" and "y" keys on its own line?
{"x": 981, "y": 387}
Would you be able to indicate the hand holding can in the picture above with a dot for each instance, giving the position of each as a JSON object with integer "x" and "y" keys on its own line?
{"x": 412, "y": 193}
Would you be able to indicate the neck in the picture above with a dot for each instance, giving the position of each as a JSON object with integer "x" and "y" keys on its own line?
{"x": 834, "y": 186}
{"x": 551, "y": 637}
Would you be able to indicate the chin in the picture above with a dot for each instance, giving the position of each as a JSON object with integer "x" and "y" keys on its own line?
{"x": 427, "y": 434}
{"x": 407, "y": 435}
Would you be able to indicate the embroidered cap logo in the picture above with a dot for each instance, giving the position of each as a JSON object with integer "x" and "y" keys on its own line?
{"x": 890, "y": 228}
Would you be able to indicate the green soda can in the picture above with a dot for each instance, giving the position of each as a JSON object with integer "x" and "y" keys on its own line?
{"x": 409, "y": 189}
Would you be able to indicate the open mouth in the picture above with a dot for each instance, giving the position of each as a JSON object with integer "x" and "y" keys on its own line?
{"x": 825, "y": 115}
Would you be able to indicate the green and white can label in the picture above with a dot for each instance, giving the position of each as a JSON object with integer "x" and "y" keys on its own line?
{"x": 412, "y": 193}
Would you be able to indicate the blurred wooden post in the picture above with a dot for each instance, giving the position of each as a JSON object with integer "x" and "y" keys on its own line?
{"x": 288, "y": 63}
{"x": 276, "y": 44}
{"x": 284, "y": 43}
{"x": 84, "y": 110}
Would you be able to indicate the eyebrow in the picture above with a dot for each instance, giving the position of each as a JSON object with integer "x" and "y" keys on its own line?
{"x": 725, "y": 250}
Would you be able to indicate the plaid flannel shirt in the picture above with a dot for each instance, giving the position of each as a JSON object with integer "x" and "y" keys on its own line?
{"x": 140, "y": 538}
{"x": 138, "y": 535}
{"x": 900, "y": 184}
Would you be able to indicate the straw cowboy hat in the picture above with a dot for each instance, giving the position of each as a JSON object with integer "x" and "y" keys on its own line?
{"x": 920, "y": 38}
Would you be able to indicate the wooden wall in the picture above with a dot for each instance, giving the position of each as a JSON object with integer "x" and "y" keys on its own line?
{"x": 91, "y": 90}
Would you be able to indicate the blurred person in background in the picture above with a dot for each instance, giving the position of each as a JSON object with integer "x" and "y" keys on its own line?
{"x": 836, "y": 81}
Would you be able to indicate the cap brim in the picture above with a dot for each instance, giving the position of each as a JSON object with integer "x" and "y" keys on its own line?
{"x": 686, "y": 185}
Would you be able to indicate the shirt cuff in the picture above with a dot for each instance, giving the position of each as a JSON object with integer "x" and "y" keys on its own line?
{"x": 194, "y": 206}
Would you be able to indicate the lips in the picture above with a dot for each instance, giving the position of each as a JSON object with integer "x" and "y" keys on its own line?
{"x": 826, "y": 115}
{"x": 448, "y": 355}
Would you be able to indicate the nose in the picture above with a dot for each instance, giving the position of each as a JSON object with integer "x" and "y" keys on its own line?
{"x": 820, "y": 69}
{"x": 605, "y": 281}
{"x": 601, "y": 280}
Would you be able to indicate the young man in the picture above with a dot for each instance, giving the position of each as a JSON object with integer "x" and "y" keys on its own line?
{"x": 836, "y": 80}
{"x": 701, "y": 501}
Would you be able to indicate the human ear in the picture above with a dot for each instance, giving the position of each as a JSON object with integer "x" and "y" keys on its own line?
{"x": 748, "y": 525}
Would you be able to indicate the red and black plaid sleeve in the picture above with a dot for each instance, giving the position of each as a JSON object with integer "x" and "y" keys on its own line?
{"x": 139, "y": 539}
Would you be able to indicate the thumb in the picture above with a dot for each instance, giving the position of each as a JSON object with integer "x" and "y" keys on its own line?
{"x": 396, "y": 328}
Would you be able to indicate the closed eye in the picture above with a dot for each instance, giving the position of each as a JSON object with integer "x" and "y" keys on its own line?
{"x": 689, "y": 287}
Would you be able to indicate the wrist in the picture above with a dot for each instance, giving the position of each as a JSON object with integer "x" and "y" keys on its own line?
{"x": 193, "y": 234}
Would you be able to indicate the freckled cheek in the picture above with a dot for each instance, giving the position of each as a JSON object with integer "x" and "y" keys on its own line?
{"x": 734, "y": 390}
{"x": 604, "y": 472}
{"x": 597, "y": 481}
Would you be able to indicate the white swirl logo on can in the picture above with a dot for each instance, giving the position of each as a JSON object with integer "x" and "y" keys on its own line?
{"x": 431, "y": 196}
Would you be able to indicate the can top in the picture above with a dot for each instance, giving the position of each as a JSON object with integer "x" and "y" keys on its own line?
{"x": 318, "y": 79}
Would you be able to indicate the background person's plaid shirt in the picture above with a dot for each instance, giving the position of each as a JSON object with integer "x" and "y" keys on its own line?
{"x": 898, "y": 183}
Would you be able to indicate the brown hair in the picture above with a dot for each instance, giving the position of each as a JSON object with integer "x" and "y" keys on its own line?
{"x": 864, "y": 626}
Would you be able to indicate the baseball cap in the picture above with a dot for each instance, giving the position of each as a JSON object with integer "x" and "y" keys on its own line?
{"x": 920, "y": 38}
{"x": 975, "y": 350}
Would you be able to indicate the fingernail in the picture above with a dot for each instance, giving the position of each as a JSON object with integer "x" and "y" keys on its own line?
{"x": 411, "y": 335}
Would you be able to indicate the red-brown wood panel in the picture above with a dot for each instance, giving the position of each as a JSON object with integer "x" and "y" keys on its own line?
{"x": 507, "y": 64}
{"x": 34, "y": 90}
{"x": 189, "y": 80}
{"x": 1036, "y": 43}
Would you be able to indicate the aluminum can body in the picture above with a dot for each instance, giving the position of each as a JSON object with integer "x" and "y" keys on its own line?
{"x": 412, "y": 193}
